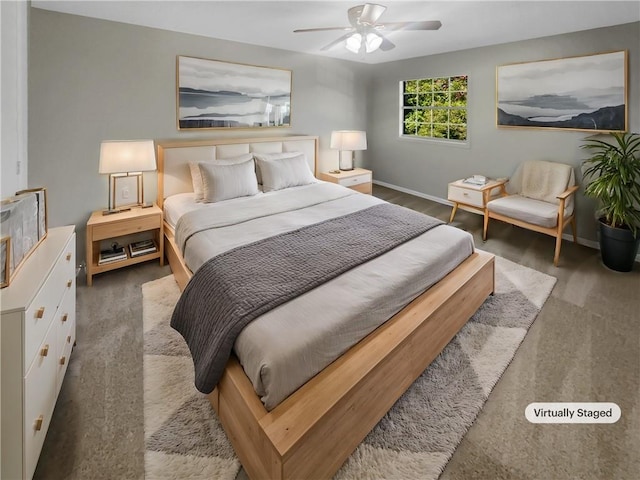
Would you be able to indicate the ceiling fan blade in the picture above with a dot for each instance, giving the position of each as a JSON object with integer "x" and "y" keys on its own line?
{"x": 371, "y": 12}
{"x": 425, "y": 25}
{"x": 335, "y": 42}
{"x": 386, "y": 44}
{"x": 322, "y": 29}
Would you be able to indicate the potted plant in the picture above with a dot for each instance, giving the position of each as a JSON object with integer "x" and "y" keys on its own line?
{"x": 613, "y": 178}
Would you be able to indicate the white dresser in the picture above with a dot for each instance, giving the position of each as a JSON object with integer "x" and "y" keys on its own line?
{"x": 37, "y": 333}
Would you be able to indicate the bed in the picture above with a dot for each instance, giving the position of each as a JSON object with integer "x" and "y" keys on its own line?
{"x": 310, "y": 431}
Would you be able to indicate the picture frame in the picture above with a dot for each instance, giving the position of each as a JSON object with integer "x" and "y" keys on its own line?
{"x": 41, "y": 199}
{"x": 212, "y": 94}
{"x": 583, "y": 93}
{"x": 5, "y": 258}
{"x": 23, "y": 226}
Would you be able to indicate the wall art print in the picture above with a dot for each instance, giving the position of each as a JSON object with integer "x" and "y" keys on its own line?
{"x": 215, "y": 94}
{"x": 578, "y": 93}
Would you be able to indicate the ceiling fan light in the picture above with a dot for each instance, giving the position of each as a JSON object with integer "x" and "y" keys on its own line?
{"x": 354, "y": 42}
{"x": 372, "y": 42}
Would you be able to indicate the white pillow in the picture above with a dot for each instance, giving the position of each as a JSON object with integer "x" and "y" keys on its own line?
{"x": 196, "y": 177}
{"x": 272, "y": 156}
{"x": 285, "y": 173}
{"x": 223, "y": 182}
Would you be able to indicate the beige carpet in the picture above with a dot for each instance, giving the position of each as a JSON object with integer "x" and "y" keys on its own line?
{"x": 183, "y": 438}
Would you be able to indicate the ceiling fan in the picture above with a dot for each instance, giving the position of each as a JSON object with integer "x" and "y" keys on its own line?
{"x": 365, "y": 33}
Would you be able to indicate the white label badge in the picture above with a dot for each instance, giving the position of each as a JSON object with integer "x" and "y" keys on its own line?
{"x": 566, "y": 412}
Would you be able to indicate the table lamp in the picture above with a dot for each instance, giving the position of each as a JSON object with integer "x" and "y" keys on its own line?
{"x": 126, "y": 158}
{"x": 348, "y": 141}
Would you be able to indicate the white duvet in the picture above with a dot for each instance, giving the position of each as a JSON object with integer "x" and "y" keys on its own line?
{"x": 287, "y": 346}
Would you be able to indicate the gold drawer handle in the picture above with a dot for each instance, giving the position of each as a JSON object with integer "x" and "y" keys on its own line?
{"x": 68, "y": 257}
{"x": 64, "y": 317}
{"x": 45, "y": 350}
{"x": 39, "y": 422}
{"x": 40, "y": 312}
{"x": 63, "y": 360}
{"x": 69, "y": 283}
{"x": 69, "y": 339}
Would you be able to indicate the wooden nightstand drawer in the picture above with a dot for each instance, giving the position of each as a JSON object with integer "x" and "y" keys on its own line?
{"x": 465, "y": 195}
{"x": 125, "y": 227}
{"x": 359, "y": 179}
{"x": 355, "y": 180}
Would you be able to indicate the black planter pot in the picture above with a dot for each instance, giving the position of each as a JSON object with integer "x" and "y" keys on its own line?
{"x": 618, "y": 247}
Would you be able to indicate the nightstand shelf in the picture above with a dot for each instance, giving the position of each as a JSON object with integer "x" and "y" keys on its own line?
{"x": 105, "y": 228}
{"x": 359, "y": 179}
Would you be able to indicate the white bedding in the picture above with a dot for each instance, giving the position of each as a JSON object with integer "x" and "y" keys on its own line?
{"x": 285, "y": 347}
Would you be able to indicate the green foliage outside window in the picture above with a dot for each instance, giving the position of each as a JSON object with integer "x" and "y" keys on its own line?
{"x": 435, "y": 107}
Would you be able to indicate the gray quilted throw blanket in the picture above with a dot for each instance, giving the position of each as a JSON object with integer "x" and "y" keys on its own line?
{"x": 237, "y": 286}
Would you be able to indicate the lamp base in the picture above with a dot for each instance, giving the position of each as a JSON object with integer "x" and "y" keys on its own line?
{"x": 346, "y": 160}
{"x": 115, "y": 210}
{"x": 346, "y": 169}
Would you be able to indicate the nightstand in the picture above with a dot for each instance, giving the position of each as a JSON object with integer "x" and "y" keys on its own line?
{"x": 357, "y": 179}
{"x": 472, "y": 197}
{"x": 102, "y": 229}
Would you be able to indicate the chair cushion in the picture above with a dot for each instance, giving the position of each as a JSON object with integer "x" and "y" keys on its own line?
{"x": 544, "y": 181}
{"x": 526, "y": 209}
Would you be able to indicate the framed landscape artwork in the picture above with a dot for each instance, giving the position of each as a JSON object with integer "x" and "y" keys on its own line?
{"x": 214, "y": 94}
{"x": 23, "y": 225}
{"x": 577, "y": 93}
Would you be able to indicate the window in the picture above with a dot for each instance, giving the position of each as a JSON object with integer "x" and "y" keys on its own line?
{"x": 435, "y": 108}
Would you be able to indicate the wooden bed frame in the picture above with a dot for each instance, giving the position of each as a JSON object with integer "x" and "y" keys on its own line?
{"x": 313, "y": 431}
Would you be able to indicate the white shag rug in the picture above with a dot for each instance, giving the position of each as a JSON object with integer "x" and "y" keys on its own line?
{"x": 416, "y": 439}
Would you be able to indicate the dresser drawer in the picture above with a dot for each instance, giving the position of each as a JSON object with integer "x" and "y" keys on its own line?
{"x": 65, "y": 346}
{"x": 40, "y": 313}
{"x": 125, "y": 227}
{"x": 39, "y": 399}
{"x": 65, "y": 320}
{"x": 465, "y": 195}
{"x": 355, "y": 180}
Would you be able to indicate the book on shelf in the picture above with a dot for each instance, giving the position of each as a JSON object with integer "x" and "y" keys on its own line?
{"x": 142, "y": 247}
{"x": 112, "y": 255}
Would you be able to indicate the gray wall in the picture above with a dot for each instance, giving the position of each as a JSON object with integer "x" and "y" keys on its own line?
{"x": 92, "y": 80}
{"x": 426, "y": 167}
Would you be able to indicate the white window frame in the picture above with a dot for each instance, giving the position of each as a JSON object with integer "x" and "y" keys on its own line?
{"x": 440, "y": 140}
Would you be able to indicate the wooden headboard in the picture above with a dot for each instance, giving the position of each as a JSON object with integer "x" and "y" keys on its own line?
{"x": 174, "y": 156}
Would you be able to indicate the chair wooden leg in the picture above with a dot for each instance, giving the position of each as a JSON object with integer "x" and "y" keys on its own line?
{"x": 574, "y": 230}
{"x": 556, "y": 257}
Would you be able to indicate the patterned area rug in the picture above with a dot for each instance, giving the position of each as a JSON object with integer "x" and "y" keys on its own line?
{"x": 415, "y": 439}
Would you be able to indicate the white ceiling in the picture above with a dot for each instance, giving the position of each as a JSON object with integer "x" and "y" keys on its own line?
{"x": 465, "y": 24}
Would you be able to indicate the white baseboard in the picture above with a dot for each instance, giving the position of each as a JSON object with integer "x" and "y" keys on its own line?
{"x": 566, "y": 236}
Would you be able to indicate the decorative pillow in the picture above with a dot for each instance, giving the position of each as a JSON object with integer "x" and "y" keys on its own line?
{"x": 196, "y": 177}
{"x": 223, "y": 182}
{"x": 272, "y": 156}
{"x": 285, "y": 172}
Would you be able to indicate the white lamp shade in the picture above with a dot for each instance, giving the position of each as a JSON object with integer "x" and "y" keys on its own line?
{"x": 127, "y": 156}
{"x": 354, "y": 42}
{"x": 372, "y": 42}
{"x": 349, "y": 140}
